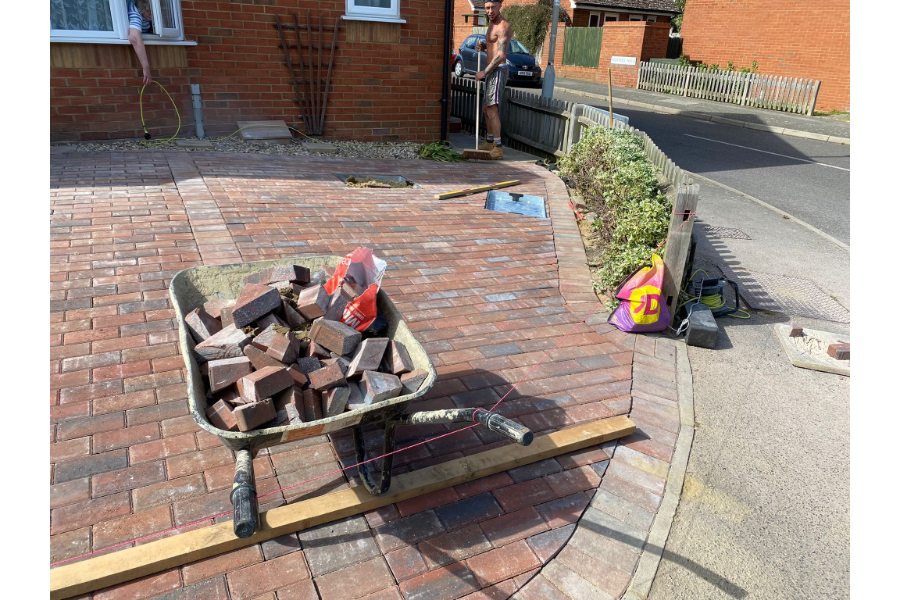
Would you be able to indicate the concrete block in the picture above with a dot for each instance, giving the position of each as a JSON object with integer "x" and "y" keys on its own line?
{"x": 376, "y": 386}
{"x": 335, "y": 336}
{"x": 225, "y": 371}
{"x": 201, "y": 324}
{"x": 368, "y": 356}
{"x": 254, "y": 302}
{"x": 229, "y": 342}
{"x": 265, "y": 383}
{"x": 252, "y": 415}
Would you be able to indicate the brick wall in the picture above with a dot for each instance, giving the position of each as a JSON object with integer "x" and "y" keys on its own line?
{"x": 794, "y": 39}
{"x": 94, "y": 88}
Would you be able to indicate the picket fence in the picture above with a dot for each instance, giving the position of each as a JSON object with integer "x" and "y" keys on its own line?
{"x": 786, "y": 94}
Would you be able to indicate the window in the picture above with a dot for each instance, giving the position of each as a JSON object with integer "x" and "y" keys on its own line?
{"x": 374, "y": 10}
{"x": 107, "y": 20}
{"x": 610, "y": 17}
{"x": 651, "y": 19}
{"x": 635, "y": 18}
{"x": 594, "y": 20}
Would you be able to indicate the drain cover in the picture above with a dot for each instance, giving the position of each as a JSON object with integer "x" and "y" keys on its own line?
{"x": 725, "y": 232}
{"x": 789, "y": 295}
{"x": 520, "y": 204}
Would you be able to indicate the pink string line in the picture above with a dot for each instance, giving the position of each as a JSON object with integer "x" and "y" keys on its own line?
{"x": 279, "y": 490}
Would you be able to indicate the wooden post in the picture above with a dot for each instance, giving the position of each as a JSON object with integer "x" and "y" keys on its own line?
{"x": 678, "y": 242}
{"x": 609, "y": 95}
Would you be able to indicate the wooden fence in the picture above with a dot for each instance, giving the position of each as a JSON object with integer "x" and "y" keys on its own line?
{"x": 787, "y": 94}
{"x": 550, "y": 127}
{"x": 581, "y": 48}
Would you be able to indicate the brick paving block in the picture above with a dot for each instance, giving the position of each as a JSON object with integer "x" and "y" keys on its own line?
{"x": 289, "y": 405}
{"x": 651, "y": 481}
{"x": 468, "y": 510}
{"x": 315, "y": 350}
{"x": 413, "y": 380}
{"x": 201, "y": 324}
{"x": 382, "y": 515}
{"x": 308, "y": 364}
{"x": 503, "y": 563}
{"x": 214, "y": 307}
{"x": 622, "y": 509}
{"x": 312, "y": 302}
{"x": 334, "y": 400}
{"x": 342, "y": 362}
{"x": 145, "y": 587}
{"x": 355, "y": 580}
{"x": 582, "y": 458}
{"x": 565, "y": 510}
{"x": 527, "y": 493}
{"x": 334, "y": 546}
{"x": 534, "y": 470}
{"x": 81, "y": 514}
{"x": 312, "y": 405}
{"x": 548, "y": 543}
{"x": 839, "y": 351}
{"x": 268, "y": 576}
{"x": 104, "y": 484}
{"x": 112, "y": 531}
{"x": 167, "y": 446}
{"x": 405, "y": 562}
{"x": 69, "y": 544}
{"x": 265, "y": 383}
{"x": 299, "y": 377}
{"x": 254, "y": 302}
{"x": 254, "y": 414}
{"x": 484, "y": 484}
{"x": 368, "y": 356}
{"x": 329, "y": 376}
{"x": 427, "y": 501}
{"x": 444, "y": 583}
{"x": 573, "y": 480}
{"x": 264, "y": 338}
{"x": 259, "y": 359}
{"x": 302, "y": 590}
{"x": 128, "y": 436}
{"x": 514, "y": 526}
{"x": 277, "y": 273}
{"x": 408, "y": 530}
{"x": 539, "y": 588}
{"x": 211, "y": 589}
{"x": 376, "y": 386}
{"x": 335, "y": 336}
{"x": 293, "y": 318}
{"x": 396, "y": 359}
{"x": 576, "y": 587}
{"x": 500, "y": 591}
{"x": 93, "y": 464}
{"x": 227, "y": 343}
{"x": 454, "y": 546}
{"x": 71, "y": 491}
{"x": 168, "y": 491}
{"x": 338, "y": 303}
{"x": 284, "y": 544}
{"x": 284, "y": 347}
{"x": 226, "y": 315}
{"x": 223, "y": 372}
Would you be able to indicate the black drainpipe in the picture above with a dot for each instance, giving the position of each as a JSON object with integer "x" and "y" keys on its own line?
{"x": 445, "y": 87}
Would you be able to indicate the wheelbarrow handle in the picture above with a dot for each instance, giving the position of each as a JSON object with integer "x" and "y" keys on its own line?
{"x": 493, "y": 421}
{"x": 243, "y": 496}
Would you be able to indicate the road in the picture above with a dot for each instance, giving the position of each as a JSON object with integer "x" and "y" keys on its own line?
{"x": 807, "y": 179}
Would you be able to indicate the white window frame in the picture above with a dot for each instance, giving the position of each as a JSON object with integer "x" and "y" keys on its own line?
{"x": 610, "y": 17}
{"x": 594, "y": 16}
{"x": 651, "y": 18}
{"x": 119, "y": 34}
{"x": 635, "y": 17}
{"x": 373, "y": 13}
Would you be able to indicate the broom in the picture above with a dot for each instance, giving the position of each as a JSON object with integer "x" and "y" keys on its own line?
{"x": 475, "y": 153}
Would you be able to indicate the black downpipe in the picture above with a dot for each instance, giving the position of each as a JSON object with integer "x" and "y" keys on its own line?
{"x": 445, "y": 86}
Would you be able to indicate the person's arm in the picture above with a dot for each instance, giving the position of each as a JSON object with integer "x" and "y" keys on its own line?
{"x": 501, "y": 46}
{"x": 137, "y": 40}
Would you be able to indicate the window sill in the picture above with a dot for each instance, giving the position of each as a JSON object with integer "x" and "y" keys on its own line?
{"x": 147, "y": 41}
{"x": 373, "y": 19}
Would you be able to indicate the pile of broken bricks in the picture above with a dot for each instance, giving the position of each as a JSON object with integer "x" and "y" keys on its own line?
{"x": 280, "y": 355}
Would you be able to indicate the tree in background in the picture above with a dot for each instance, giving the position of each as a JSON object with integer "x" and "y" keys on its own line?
{"x": 676, "y": 20}
{"x": 529, "y": 22}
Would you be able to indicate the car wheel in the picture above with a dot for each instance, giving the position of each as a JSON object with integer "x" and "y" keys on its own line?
{"x": 458, "y": 69}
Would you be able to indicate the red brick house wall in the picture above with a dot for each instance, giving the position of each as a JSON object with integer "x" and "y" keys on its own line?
{"x": 94, "y": 87}
{"x": 794, "y": 39}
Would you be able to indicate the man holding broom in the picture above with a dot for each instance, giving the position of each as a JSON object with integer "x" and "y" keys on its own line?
{"x": 499, "y": 33}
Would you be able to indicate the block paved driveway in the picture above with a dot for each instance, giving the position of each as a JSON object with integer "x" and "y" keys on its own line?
{"x": 496, "y": 299}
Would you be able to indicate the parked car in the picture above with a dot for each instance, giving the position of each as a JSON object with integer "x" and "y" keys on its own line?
{"x": 523, "y": 67}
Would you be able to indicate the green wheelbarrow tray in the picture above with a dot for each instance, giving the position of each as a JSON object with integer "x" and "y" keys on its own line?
{"x": 192, "y": 287}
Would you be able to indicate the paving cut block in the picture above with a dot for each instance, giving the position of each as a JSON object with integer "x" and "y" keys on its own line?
{"x": 227, "y": 343}
{"x": 252, "y": 415}
{"x": 376, "y": 386}
{"x": 299, "y": 377}
{"x": 254, "y": 302}
{"x": 342, "y": 362}
{"x": 335, "y": 336}
{"x": 312, "y": 405}
{"x": 289, "y": 405}
{"x": 312, "y": 302}
{"x": 368, "y": 356}
{"x": 356, "y": 399}
{"x": 220, "y": 414}
{"x": 284, "y": 347}
{"x": 225, "y": 314}
{"x": 335, "y": 400}
{"x": 413, "y": 380}
{"x": 214, "y": 307}
{"x": 263, "y": 339}
{"x": 339, "y": 301}
{"x": 328, "y": 376}
{"x": 265, "y": 383}
{"x": 225, "y": 371}
{"x": 396, "y": 359}
{"x": 259, "y": 359}
{"x": 839, "y": 351}
{"x": 308, "y": 364}
{"x": 316, "y": 351}
{"x": 291, "y": 316}
{"x": 270, "y": 319}
{"x": 201, "y": 324}
{"x": 230, "y": 395}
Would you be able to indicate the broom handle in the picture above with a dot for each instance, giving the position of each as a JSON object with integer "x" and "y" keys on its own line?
{"x": 477, "y": 96}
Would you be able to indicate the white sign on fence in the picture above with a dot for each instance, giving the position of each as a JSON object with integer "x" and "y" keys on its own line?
{"x": 624, "y": 60}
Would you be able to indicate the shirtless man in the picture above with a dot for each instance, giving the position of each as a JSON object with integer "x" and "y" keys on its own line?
{"x": 499, "y": 32}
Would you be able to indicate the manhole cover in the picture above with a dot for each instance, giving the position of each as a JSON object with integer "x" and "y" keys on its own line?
{"x": 794, "y": 296}
{"x": 375, "y": 181}
{"x": 520, "y": 204}
{"x": 724, "y": 232}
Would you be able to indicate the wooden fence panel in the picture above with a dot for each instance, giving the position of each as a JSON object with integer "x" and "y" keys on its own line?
{"x": 581, "y": 47}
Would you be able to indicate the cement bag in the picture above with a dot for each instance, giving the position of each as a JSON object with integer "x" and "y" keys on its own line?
{"x": 642, "y": 308}
{"x": 360, "y": 272}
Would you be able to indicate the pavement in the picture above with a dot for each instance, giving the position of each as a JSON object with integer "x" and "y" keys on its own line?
{"x": 496, "y": 299}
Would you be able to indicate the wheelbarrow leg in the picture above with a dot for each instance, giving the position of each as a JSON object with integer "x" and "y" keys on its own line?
{"x": 379, "y": 487}
{"x": 243, "y": 496}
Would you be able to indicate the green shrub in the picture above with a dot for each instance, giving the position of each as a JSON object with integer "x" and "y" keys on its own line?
{"x": 529, "y": 22}
{"x": 610, "y": 173}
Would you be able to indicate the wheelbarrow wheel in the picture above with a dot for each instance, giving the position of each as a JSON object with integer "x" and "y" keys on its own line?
{"x": 375, "y": 484}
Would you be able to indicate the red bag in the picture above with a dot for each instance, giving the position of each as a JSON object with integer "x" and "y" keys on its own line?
{"x": 362, "y": 271}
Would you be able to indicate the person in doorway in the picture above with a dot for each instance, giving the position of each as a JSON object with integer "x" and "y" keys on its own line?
{"x": 495, "y": 74}
{"x": 139, "y": 23}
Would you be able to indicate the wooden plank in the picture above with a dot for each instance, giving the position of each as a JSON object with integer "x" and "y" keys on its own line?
{"x": 475, "y": 190}
{"x": 678, "y": 243}
{"x": 111, "y": 569}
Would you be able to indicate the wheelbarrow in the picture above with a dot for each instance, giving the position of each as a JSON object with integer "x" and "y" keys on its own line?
{"x": 192, "y": 287}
